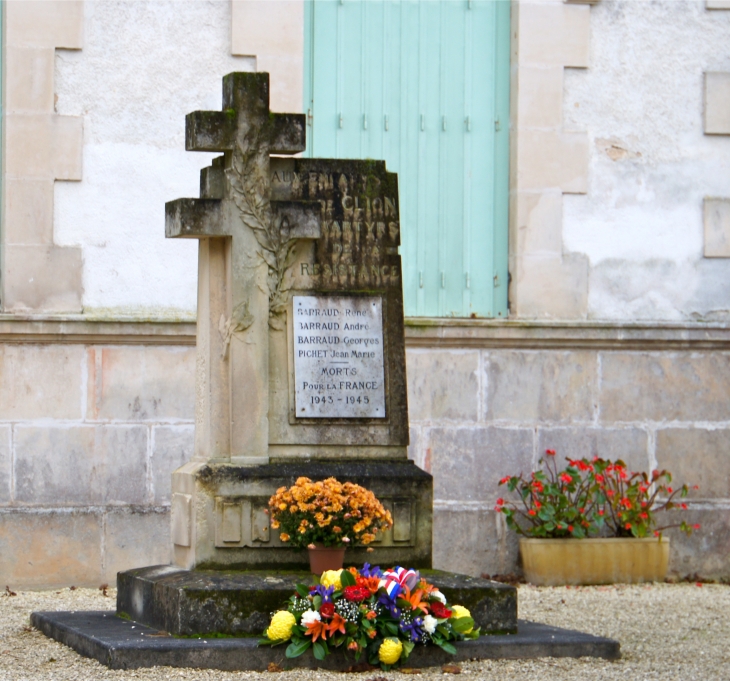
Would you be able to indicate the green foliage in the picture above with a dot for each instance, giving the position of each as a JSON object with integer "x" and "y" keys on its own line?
{"x": 590, "y": 498}
{"x": 358, "y": 617}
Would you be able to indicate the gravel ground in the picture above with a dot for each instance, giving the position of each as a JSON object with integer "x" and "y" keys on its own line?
{"x": 667, "y": 631}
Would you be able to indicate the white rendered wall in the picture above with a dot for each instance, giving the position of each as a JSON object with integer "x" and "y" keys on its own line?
{"x": 144, "y": 66}
{"x": 641, "y": 102}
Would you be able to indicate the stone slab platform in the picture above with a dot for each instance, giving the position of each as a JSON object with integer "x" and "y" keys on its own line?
{"x": 193, "y": 602}
{"x": 121, "y": 644}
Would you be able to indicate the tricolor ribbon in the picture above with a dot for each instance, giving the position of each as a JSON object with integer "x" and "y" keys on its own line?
{"x": 393, "y": 581}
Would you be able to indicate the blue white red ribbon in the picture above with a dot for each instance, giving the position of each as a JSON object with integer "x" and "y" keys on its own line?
{"x": 395, "y": 580}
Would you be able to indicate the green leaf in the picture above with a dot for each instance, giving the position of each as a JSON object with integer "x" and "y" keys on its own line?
{"x": 462, "y": 624}
{"x": 391, "y": 628}
{"x": 320, "y": 652}
{"x": 317, "y": 602}
{"x": 302, "y": 590}
{"x": 347, "y": 578}
{"x": 296, "y": 648}
{"x": 445, "y": 645}
{"x": 407, "y": 649}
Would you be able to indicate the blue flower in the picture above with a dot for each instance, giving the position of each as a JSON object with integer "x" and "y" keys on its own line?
{"x": 414, "y": 628}
{"x": 368, "y": 571}
{"x": 324, "y": 591}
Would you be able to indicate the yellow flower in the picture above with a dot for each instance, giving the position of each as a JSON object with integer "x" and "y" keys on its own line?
{"x": 331, "y": 578}
{"x": 284, "y": 536}
{"x": 390, "y": 651}
{"x": 459, "y": 611}
{"x": 281, "y": 626}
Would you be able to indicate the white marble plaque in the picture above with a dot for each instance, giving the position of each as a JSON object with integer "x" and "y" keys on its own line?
{"x": 338, "y": 357}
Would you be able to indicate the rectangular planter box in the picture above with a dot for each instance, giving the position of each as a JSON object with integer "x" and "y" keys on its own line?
{"x": 552, "y": 562}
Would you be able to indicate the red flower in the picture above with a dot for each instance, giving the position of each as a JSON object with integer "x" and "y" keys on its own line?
{"x": 550, "y": 452}
{"x": 697, "y": 526}
{"x": 532, "y": 511}
{"x": 327, "y": 610}
{"x": 670, "y": 490}
{"x": 644, "y": 516}
{"x": 500, "y": 501}
{"x": 537, "y": 486}
{"x": 537, "y": 504}
{"x": 439, "y": 610}
{"x": 570, "y": 528}
{"x": 684, "y": 507}
{"x": 566, "y": 477}
{"x": 600, "y": 512}
{"x": 600, "y": 478}
{"x": 356, "y": 593}
{"x": 656, "y": 533}
{"x": 504, "y": 480}
{"x": 627, "y": 526}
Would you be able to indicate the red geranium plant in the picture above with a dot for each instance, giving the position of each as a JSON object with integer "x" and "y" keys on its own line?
{"x": 594, "y": 497}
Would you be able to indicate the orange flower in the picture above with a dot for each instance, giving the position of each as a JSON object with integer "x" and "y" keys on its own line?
{"x": 415, "y": 599}
{"x": 337, "y": 624}
{"x": 317, "y": 629}
{"x": 372, "y": 633}
{"x": 370, "y": 583}
{"x": 371, "y": 615}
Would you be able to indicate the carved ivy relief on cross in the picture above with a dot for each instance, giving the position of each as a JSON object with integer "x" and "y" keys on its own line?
{"x": 248, "y": 179}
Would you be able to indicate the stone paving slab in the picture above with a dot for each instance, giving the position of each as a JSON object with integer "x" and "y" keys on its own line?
{"x": 123, "y": 644}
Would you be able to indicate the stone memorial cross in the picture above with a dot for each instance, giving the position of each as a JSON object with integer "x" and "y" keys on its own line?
{"x": 246, "y": 245}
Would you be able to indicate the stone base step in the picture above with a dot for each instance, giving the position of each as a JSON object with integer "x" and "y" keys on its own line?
{"x": 197, "y": 602}
{"x": 121, "y": 644}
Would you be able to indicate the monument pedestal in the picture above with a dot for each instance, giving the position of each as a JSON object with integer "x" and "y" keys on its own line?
{"x": 240, "y": 603}
{"x": 220, "y": 518}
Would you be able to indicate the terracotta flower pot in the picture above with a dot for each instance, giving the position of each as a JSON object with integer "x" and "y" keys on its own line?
{"x": 323, "y": 558}
{"x": 551, "y": 562}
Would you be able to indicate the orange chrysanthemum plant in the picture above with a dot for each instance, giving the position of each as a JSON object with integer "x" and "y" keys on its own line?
{"x": 328, "y": 513}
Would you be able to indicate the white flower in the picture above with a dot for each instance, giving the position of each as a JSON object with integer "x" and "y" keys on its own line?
{"x": 310, "y": 616}
{"x": 439, "y": 596}
{"x": 429, "y": 624}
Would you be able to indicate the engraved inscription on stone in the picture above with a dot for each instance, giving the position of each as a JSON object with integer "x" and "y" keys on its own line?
{"x": 338, "y": 357}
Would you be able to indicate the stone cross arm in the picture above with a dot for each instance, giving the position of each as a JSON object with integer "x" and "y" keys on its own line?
{"x": 246, "y": 133}
{"x": 217, "y": 130}
{"x": 245, "y": 96}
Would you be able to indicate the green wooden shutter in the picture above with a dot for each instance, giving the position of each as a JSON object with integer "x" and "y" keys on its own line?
{"x": 424, "y": 86}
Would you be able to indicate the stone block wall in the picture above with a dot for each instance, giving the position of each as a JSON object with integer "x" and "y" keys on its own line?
{"x": 89, "y": 434}
{"x": 484, "y": 405}
{"x": 92, "y": 426}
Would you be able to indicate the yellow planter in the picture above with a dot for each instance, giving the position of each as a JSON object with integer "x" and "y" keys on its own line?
{"x": 551, "y": 562}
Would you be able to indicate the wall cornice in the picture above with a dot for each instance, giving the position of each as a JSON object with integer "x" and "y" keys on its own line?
{"x": 421, "y": 332}
{"x": 88, "y": 331}
{"x": 567, "y": 335}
